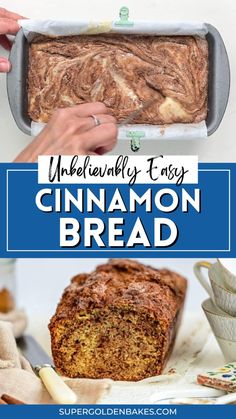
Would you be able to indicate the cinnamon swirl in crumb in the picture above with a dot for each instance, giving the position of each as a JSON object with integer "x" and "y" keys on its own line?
{"x": 123, "y": 72}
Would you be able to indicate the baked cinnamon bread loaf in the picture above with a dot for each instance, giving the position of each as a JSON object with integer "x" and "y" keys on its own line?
{"x": 122, "y": 71}
{"x": 118, "y": 322}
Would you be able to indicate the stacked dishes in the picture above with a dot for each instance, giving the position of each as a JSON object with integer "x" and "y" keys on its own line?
{"x": 220, "y": 308}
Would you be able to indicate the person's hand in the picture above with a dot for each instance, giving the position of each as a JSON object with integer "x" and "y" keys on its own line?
{"x": 8, "y": 26}
{"x": 72, "y": 131}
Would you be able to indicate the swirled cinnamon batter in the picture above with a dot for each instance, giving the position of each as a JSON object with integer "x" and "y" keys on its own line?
{"x": 123, "y": 72}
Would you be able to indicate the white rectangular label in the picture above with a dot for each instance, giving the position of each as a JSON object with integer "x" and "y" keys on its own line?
{"x": 118, "y": 169}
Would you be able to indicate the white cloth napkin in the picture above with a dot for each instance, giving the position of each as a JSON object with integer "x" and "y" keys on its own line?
{"x": 18, "y": 319}
{"x": 18, "y": 379}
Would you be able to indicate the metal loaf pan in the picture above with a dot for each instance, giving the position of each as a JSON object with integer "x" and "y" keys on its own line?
{"x": 218, "y": 86}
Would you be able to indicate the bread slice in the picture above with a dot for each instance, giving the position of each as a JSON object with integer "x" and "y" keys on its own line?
{"x": 118, "y": 322}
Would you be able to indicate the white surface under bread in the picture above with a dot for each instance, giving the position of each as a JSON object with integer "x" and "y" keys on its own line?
{"x": 195, "y": 352}
{"x": 40, "y": 283}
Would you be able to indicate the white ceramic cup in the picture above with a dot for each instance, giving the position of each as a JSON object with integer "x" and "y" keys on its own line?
{"x": 222, "y": 297}
{"x": 228, "y": 269}
{"x": 224, "y": 329}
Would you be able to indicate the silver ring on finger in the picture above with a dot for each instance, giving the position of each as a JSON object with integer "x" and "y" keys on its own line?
{"x": 97, "y": 121}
